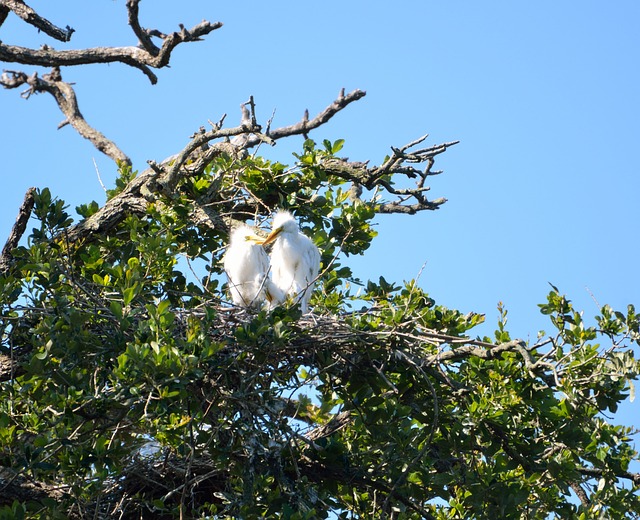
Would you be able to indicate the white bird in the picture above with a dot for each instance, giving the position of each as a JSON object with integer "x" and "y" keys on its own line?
{"x": 295, "y": 260}
{"x": 247, "y": 266}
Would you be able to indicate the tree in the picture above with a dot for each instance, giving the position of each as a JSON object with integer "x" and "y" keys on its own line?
{"x": 133, "y": 388}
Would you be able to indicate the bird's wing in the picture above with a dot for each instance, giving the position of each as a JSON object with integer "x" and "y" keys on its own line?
{"x": 309, "y": 264}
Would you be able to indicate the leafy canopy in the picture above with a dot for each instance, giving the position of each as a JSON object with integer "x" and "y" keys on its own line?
{"x": 135, "y": 389}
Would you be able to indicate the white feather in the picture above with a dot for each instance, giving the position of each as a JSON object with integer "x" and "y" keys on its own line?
{"x": 246, "y": 264}
{"x": 295, "y": 259}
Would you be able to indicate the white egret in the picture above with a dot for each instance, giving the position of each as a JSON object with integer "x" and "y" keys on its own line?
{"x": 247, "y": 265}
{"x": 295, "y": 259}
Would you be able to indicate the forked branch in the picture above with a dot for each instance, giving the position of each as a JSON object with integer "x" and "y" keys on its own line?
{"x": 400, "y": 164}
{"x": 145, "y": 58}
{"x": 304, "y": 126}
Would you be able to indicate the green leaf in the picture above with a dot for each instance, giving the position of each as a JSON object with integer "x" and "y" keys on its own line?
{"x": 337, "y": 146}
{"x": 130, "y": 293}
{"x": 116, "y": 309}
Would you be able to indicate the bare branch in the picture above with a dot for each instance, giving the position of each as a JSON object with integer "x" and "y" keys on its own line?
{"x": 4, "y": 12}
{"x": 31, "y": 17}
{"x": 66, "y": 98}
{"x": 143, "y": 35}
{"x": 133, "y": 56}
{"x": 409, "y": 209}
{"x": 48, "y": 57}
{"x": 109, "y": 216}
{"x": 306, "y": 125}
{"x": 577, "y": 489}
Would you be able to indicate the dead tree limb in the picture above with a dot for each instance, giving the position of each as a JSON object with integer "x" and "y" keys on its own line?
{"x": 304, "y": 126}
{"x": 144, "y": 36}
{"x": 409, "y": 200}
{"x": 66, "y": 99}
{"x": 31, "y": 17}
{"x": 145, "y": 58}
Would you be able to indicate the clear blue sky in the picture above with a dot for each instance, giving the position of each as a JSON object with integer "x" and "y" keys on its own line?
{"x": 543, "y": 96}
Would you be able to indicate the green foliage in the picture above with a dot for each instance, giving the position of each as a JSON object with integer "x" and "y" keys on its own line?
{"x": 125, "y": 175}
{"x": 142, "y": 392}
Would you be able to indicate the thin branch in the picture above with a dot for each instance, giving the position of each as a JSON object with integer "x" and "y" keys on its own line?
{"x": 143, "y": 35}
{"x": 306, "y": 125}
{"x": 597, "y": 472}
{"x": 409, "y": 200}
{"x": 66, "y": 98}
{"x": 580, "y": 493}
{"x": 31, "y": 17}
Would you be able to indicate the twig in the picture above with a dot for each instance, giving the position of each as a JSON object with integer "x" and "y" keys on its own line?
{"x": 95, "y": 165}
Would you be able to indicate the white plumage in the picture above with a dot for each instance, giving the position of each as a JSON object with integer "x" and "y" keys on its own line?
{"x": 295, "y": 260}
{"x": 247, "y": 266}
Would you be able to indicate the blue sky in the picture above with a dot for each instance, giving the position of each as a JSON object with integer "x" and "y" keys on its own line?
{"x": 543, "y": 96}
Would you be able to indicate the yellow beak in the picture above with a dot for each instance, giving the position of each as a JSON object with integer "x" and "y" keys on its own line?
{"x": 253, "y": 238}
{"x": 272, "y": 236}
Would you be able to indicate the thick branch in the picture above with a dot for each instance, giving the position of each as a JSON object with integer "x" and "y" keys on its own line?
{"x": 31, "y": 17}
{"x": 17, "y": 230}
{"x": 108, "y": 217}
{"x": 66, "y": 98}
{"x": 132, "y": 56}
{"x": 577, "y": 489}
{"x": 336, "y": 423}
{"x": 48, "y": 57}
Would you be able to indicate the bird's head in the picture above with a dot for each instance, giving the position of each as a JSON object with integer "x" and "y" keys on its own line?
{"x": 244, "y": 233}
{"x": 283, "y": 222}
